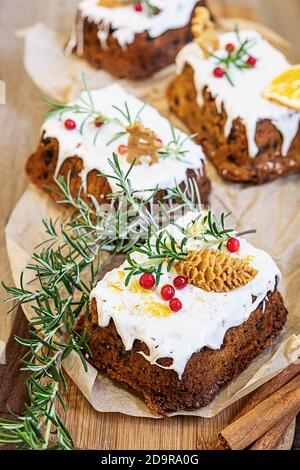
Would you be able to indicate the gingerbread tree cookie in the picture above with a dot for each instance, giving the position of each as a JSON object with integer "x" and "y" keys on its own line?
{"x": 142, "y": 142}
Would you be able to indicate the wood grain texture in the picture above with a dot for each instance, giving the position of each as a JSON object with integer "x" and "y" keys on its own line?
{"x": 20, "y": 120}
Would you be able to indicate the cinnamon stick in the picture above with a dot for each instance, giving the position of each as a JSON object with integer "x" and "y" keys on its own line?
{"x": 261, "y": 394}
{"x": 270, "y": 387}
{"x": 256, "y": 422}
{"x": 272, "y": 438}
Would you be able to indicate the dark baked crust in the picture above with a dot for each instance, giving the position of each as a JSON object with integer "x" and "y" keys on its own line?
{"x": 205, "y": 372}
{"x": 230, "y": 155}
{"x": 41, "y": 166}
{"x": 138, "y": 60}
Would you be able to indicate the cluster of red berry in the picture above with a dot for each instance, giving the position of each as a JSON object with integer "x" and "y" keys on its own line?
{"x": 147, "y": 281}
{"x": 219, "y": 72}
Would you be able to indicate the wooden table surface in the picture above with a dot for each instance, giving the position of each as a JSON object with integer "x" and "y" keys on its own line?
{"x": 20, "y": 120}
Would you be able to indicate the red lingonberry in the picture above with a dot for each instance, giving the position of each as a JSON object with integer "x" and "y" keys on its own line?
{"x": 229, "y": 47}
{"x": 219, "y": 72}
{"x": 180, "y": 282}
{"x": 251, "y": 61}
{"x": 147, "y": 281}
{"x": 122, "y": 149}
{"x": 167, "y": 292}
{"x": 70, "y": 124}
{"x": 98, "y": 122}
{"x": 175, "y": 304}
{"x": 233, "y": 245}
{"x": 138, "y": 7}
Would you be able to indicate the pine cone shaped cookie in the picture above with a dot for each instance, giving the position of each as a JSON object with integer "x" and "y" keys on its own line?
{"x": 215, "y": 271}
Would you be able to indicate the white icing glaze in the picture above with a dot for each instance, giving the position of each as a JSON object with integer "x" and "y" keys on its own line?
{"x": 204, "y": 318}
{"x": 126, "y": 22}
{"x": 245, "y": 99}
{"x": 166, "y": 174}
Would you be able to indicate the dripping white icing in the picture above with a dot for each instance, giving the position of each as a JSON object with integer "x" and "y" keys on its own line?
{"x": 126, "y": 22}
{"x": 245, "y": 99}
{"x": 166, "y": 174}
{"x": 205, "y": 316}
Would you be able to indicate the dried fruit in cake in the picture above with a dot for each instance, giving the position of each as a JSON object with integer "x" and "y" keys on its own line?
{"x": 285, "y": 88}
{"x": 215, "y": 271}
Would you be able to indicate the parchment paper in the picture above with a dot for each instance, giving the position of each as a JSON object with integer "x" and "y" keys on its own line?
{"x": 273, "y": 209}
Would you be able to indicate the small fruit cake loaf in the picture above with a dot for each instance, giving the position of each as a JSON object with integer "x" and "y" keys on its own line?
{"x": 132, "y": 39}
{"x": 221, "y": 95}
{"x": 176, "y": 333}
{"x": 79, "y": 139}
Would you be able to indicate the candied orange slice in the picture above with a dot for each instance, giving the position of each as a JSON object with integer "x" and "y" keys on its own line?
{"x": 285, "y": 88}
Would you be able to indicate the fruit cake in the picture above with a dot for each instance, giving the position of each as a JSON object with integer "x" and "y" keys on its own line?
{"x": 220, "y": 94}
{"x": 174, "y": 333}
{"x": 79, "y": 139}
{"x": 132, "y": 39}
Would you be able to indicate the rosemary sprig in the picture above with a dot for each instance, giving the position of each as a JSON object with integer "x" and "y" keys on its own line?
{"x": 125, "y": 113}
{"x": 158, "y": 249}
{"x": 175, "y": 148}
{"x": 216, "y": 231}
{"x": 236, "y": 57}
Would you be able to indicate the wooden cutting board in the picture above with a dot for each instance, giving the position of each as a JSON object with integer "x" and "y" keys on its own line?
{"x": 93, "y": 430}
